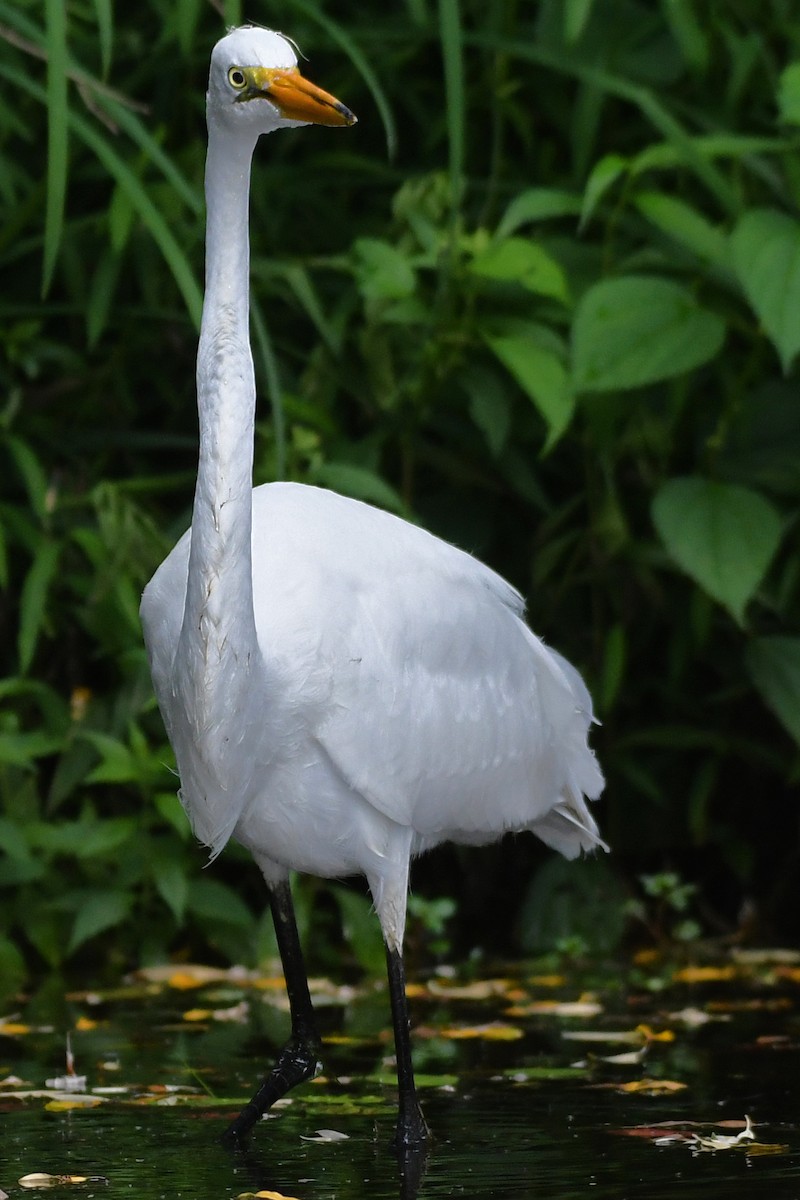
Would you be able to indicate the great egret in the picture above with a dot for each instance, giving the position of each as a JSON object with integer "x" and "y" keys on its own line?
{"x": 342, "y": 689}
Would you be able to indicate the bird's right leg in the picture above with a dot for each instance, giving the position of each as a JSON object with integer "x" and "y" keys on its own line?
{"x": 299, "y": 1058}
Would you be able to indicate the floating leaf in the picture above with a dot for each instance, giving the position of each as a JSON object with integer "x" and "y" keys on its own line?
{"x": 557, "y": 1008}
{"x": 652, "y": 1087}
{"x": 492, "y": 1031}
{"x": 327, "y": 1135}
{"x": 74, "y": 1102}
{"x": 704, "y": 974}
{"x": 722, "y": 535}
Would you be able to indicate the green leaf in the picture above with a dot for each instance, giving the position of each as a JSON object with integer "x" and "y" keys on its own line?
{"x": 537, "y": 204}
{"x": 117, "y": 764}
{"x": 542, "y": 376}
{"x": 489, "y": 405}
{"x": 685, "y": 224}
{"x": 57, "y": 137}
{"x": 97, "y": 910}
{"x": 773, "y": 664}
{"x": 172, "y": 884}
{"x": 212, "y": 900}
{"x": 517, "y": 260}
{"x": 361, "y": 928}
{"x": 33, "y": 476}
{"x": 637, "y": 330}
{"x": 766, "y": 255}
{"x": 789, "y": 94}
{"x": 382, "y": 271}
{"x": 722, "y": 535}
{"x": 604, "y": 175}
{"x": 33, "y": 600}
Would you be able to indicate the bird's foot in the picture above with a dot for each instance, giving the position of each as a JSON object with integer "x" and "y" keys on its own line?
{"x": 297, "y": 1062}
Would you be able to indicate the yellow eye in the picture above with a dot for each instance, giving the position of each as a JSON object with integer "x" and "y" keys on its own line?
{"x": 236, "y": 78}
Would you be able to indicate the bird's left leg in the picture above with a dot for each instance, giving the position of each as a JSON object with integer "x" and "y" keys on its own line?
{"x": 299, "y": 1058}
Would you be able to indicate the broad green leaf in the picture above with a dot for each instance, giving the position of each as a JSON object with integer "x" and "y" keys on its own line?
{"x": 789, "y": 94}
{"x": 541, "y": 375}
{"x": 722, "y": 535}
{"x": 517, "y": 260}
{"x": 489, "y": 405}
{"x": 22, "y": 749}
{"x": 361, "y": 928}
{"x": 117, "y": 763}
{"x": 537, "y": 204}
{"x": 766, "y": 255}
{"x": 603, "y": 175}
{"x": 773, "y": 664}
{"x": 98, "y": 910}
{"x": 382, "y": 271}
{"x": 685, "y": 224}
{"x": 172, "y": 885}
{"x": 212, "y": 900}
{"x": 57, "y": 137}
{"x": 637, "y": 330}
{"x": 33, "y": 600}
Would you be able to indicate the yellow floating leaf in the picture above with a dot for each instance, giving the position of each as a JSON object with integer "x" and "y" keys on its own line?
{"x": 650, "y": 1035}
{"x": 73, "y": 1102}
{"x": 42, "y": 1179}
{"x": 264, "y": 1196}
{"x": 85, "y": 1023}
{"x": 13, "y": 1029}
{"x": 493, "y": 1031}
{"x": 480, "y": 989}
{"x": 198, "y": 1014}
{"x": 652, "y": 1087}
{"x": 547, "y": 981}
{"x": 187, "y": 976}
{"x": 704, "y": 974}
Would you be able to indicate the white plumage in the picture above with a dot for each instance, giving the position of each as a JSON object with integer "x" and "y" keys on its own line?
{"x": 342, "y": 689}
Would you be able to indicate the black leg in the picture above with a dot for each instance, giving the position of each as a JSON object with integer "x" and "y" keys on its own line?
{"x": 411, "y": 1128}
{"x": 298, "y": 1060}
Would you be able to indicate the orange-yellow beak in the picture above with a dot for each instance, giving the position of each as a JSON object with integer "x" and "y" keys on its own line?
{"x": 295, "y": 97}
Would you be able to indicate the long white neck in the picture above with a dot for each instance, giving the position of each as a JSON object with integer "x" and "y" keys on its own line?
{"x": 218, "y": 616}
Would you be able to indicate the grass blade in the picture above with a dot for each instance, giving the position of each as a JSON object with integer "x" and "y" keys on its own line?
{"x": 452, "y": 54}
{"x": 105, "y": 29}
{"x": 361, "y": 64}
{"x": 57, "y": 135}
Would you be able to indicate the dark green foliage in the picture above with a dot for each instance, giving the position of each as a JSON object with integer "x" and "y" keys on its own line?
{"x": 556, "y": 323}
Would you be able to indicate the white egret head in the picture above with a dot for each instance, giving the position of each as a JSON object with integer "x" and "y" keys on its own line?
{"x": 255, "y": 86}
